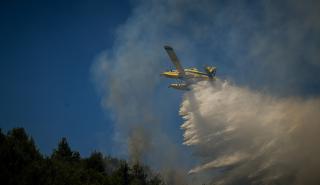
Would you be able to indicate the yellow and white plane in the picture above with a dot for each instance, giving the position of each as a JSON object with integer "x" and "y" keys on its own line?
{"x": 187, "y": 76}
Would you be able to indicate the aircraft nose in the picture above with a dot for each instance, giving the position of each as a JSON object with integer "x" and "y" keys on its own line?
{"x": 163, "y": 74}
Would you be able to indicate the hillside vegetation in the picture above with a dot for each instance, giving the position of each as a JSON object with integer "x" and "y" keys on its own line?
{"x": 22, "y": 163}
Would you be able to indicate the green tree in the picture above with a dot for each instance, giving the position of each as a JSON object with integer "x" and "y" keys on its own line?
{"x": 18, "y": 157}
{"x": 22, "y": 163}
{"x": 96, "y": 162}
{"x": 139, "y": 176}
{"x": 121, "y": 176}
{"x": 63, "y": 152}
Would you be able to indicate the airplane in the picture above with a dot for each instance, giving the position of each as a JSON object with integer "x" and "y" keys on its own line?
{"x": 187, "y": 76}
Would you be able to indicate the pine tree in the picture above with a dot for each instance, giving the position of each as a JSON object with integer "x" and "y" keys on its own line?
{"x": 63, "y": 152}
{"x": 96, "y": 162}
{"x": 22, "y": 163}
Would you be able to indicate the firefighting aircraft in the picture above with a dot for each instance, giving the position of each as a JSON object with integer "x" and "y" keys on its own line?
{"x": 187, "y": 76}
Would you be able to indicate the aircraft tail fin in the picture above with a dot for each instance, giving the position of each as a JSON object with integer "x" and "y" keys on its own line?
{"x": 211, "y": 71}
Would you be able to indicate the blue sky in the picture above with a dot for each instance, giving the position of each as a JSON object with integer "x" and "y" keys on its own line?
{"x": 89, "y": 70}
{"x": 47, "y": 49}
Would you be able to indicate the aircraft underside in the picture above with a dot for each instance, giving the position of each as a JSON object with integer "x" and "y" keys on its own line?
{"x": 184, "y": 84}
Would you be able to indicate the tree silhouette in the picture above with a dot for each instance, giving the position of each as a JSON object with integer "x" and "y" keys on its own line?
{"x": 63, "y": 152}
{"x": 96, "y": 162}
{"x": 22, "y": 163}
{"x": 18, "y": 157}
{"x": 139, "y": 176}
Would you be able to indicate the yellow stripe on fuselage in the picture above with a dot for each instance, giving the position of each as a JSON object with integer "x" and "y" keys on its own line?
{"x": 189, "y": 73}
{"x": 171, "y": 74}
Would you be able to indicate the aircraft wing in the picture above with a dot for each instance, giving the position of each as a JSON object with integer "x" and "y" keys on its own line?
{"x": 174, "y": 59}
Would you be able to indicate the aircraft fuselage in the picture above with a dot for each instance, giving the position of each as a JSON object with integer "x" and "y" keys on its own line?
{"x": 189, "y": 74}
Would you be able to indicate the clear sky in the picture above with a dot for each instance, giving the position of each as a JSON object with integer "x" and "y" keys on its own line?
{"x": 46, "y": 51}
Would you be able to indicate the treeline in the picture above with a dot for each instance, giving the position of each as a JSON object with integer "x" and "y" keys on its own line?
{"x": 22, "y": 163}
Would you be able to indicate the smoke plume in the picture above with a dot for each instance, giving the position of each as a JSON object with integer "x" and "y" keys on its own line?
{"x": 247, "y": 137}
{"x": 265, "y": 132}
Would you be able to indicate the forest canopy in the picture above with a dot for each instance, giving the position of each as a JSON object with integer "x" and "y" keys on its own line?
{"x": 23, "y": 164}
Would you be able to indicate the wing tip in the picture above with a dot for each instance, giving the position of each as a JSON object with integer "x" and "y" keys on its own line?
{"x": 167, "y": 47}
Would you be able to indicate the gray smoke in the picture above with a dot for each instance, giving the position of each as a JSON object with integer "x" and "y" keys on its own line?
{"x": 247, "y": 137}
{"x": 139, "y": 128}
{"x": 267, "y": 46}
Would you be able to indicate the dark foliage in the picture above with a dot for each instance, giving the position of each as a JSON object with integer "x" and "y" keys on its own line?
{"x": 22, "y": 163}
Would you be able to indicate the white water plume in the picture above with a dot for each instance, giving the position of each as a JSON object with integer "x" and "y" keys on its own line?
{"x": 235, "y": 132}
{"x": 249, "y": 137}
